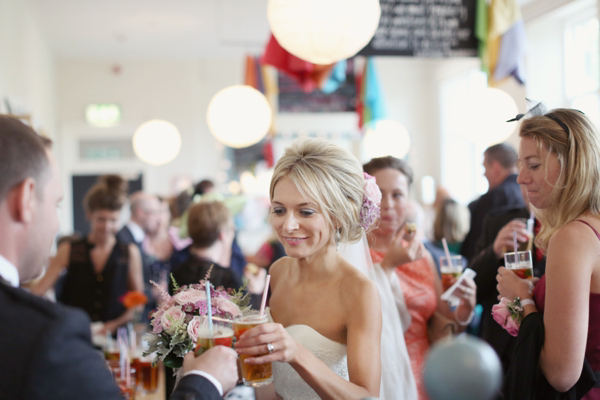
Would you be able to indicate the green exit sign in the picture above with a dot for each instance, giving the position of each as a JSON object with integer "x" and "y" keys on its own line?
{"x": 103, "y": 114}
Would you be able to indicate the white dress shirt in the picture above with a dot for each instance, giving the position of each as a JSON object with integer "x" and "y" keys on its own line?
{"x": 9, "y": 272}
{"x": 136, "y": 231}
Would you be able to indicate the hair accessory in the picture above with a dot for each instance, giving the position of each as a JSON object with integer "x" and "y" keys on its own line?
{"x": 369, "y": 212}
{"x": 540, "y": 110}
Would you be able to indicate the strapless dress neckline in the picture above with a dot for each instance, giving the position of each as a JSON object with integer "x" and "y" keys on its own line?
{"x": 288, "y": 384}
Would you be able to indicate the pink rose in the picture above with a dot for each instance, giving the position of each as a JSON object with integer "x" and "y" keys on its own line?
{"x": 500, "y": 312}
{"x": 189, "y": 296}
{"x": 194, "y": 328}
{"x": 372, "y": 191}
{"x": 226, "y": 306}
{"x": 512, "y": 327}
{"x": 172, "y": 317}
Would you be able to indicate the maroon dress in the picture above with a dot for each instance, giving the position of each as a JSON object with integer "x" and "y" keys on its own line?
{"x": 592, "y": 348}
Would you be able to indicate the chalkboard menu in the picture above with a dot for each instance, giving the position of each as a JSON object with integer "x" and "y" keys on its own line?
{"x": 425, "y": 28}
{"x": 292, "y": 98}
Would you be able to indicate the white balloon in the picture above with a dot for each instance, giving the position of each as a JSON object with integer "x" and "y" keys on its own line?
{"x": 323, "y": 31}
{"x": 239, "y": 116}
{"x": 387, "y": 138}
{"x": 156, "y": 142}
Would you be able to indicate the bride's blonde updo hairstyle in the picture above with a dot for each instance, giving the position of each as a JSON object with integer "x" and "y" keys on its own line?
{"x": 571, "y": 136}
{"x": 331, "y": 177}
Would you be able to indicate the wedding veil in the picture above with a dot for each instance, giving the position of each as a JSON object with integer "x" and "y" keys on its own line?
{"x": 397, "y": 380}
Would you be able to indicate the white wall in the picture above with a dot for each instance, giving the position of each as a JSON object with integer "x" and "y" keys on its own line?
{"x": 26, "y": 66}
{"x": 176, "y": 91}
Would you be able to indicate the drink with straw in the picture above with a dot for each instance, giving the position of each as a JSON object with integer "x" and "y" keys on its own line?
{"x": 253, "y": 375}
{"x": 221, "y": 336}
{"x": 450, "y": 270}
{"x": 520, "y": 263}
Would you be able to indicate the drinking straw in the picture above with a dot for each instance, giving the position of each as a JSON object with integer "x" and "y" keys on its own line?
{"x": 447, "y": 251}
{"x": 132, "y": 336}
{"x": 229, "y": 321}
{"x": 264, "y": 298}
{"x": 515, "y": 245}
{"x": 209, "y": 309}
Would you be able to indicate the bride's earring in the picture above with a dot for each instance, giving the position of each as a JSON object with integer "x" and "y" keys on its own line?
{"x": 337, "y": 238}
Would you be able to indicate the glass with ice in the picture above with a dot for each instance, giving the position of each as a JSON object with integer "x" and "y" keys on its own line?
{"x": 520, "y": 263}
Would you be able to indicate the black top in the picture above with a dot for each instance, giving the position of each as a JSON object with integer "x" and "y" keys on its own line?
{"x": 47, "y": 353}
{"x": 194, "y": 270}
{"x": 507, "y": 194}
{"x": 97, "y": 294}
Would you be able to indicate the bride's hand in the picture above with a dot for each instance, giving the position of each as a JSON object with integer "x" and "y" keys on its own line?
{"x": 403, "y": 249}
{"x": 255, "y": 342}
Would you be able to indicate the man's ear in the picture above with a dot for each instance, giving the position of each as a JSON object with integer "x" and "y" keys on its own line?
{"x": 22, "y": 200}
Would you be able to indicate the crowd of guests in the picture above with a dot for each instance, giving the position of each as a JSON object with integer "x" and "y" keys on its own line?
{"x": 366, "y": 325}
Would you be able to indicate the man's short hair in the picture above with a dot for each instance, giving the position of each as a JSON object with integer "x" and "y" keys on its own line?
{"x": 503, "y": 153}
{"x": 22, "y": 155}
{"x": 205, "y": 222}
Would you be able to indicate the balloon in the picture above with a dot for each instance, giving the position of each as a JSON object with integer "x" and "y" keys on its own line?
{"x": 462, "y": 368}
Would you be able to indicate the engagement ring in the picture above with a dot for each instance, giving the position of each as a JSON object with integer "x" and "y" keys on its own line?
{"x": 270, "y": 348}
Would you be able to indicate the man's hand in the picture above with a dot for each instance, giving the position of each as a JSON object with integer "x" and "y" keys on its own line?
{"x": 504, "y": 240}
{"x": 220, "y": 362}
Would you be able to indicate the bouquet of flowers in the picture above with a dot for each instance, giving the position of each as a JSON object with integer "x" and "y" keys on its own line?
{"x": 178, "y": 319}
{"x": 509, "y": 314}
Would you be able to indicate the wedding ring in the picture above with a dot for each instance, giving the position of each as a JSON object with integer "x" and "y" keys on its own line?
{"x": 270, "y": 348}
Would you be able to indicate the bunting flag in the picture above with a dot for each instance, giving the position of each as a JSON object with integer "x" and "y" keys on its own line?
{"x": 370, "y": 102}
{"x": 506, "y": 42}
{"x": 309, "y": 76}
{"x": 481, "y": 32}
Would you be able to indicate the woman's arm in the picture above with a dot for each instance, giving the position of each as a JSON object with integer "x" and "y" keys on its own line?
{"x": 466, "y": 291}
{"x": 135, "y": 282}
{"x": 572, "y": 256}
{"x": 55, "y": 267}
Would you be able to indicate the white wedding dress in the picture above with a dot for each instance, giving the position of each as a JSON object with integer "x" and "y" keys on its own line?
{"x": 288, "y": 384}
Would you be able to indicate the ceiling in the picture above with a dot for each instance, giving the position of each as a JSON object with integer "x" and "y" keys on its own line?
{"x": 152, "y": 28}
{"x": 122, "y": 29}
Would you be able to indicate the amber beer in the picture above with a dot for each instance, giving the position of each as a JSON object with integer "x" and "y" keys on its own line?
{"x": 146, "y": 376}
{"x": 253, "y": 375}
{"x": 222, "y": 336}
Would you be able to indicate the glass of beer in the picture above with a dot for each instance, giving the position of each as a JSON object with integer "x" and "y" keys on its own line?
{"x": 222, "y": 335}
{"x": 451, "y": 271}
{"x": 253, "y": 375}
{"x": 520, "y": 263}
{"x": 146, "y": 376}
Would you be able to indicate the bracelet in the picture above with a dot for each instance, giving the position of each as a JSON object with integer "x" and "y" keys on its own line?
{"x": 468, "y": 321}
{"x": 525, "y": 302}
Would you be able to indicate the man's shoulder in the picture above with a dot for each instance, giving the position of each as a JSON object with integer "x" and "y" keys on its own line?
{"x": 124, "y": 234}
{"x": 19, "y": 305}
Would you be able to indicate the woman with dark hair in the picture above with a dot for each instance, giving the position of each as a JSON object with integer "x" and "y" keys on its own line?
{"x": 99, "y": 268}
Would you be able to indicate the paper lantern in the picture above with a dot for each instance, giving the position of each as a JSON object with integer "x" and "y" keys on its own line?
{"x": 386, "y": 138}
{"x": 323, "y": 31}
{"x": 239, "y": 116}
{"x": 156, "y": 142}
{"x": 483, "y": 115}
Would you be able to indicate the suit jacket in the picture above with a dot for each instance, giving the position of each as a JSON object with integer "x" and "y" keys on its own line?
{"x": 126, "y": 236}
{"x": 46, "y": 353}
{"x": 486, "y": 264}
{"x": 507, "y": 194}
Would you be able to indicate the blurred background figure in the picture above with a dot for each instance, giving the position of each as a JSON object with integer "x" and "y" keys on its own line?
{"x": 452, "y": 223}
{"x": 500, "y": 163}
{"x": 99, "y": 268}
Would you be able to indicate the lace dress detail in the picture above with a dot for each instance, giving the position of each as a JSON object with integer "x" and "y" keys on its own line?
{"x": 288, "y": 384}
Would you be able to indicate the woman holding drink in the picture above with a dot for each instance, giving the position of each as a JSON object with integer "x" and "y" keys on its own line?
{"x": 327, "y": 315}
{"x": 559, "y": 157}
{"x": 397, "y": 250}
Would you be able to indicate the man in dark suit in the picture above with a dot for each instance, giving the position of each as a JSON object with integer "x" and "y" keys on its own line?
{"x": 45, "y": 348}
{"x": 145, "y": 217}
{"x": 500, "y": 162}
{"x": 497, "y": 236}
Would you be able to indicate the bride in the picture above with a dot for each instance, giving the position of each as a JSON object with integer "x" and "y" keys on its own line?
{"x": 327, "y": 315}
